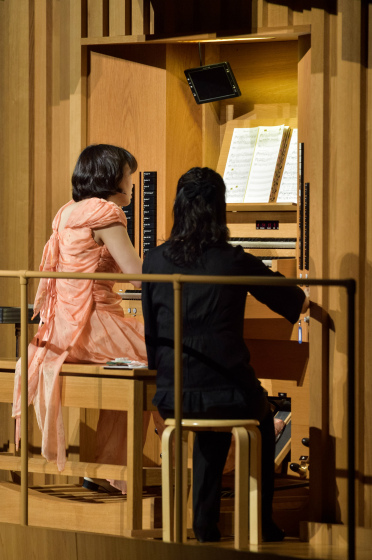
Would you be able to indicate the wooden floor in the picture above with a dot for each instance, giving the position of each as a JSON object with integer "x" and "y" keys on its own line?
{"x": 21, "y": 543}
{"x": 293, "y": 548}
{"x": 18, "y": 542}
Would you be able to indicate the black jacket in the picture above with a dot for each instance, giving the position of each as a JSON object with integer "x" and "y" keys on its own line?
{"x": 216, "y": 368}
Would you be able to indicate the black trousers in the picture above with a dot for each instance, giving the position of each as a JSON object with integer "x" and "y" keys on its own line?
{"x": 209, "y": 457}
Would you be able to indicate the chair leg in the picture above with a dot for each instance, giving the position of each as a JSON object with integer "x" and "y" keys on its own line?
{"x": 184, "y": 483}
{"x": 255, "y": 515}
{"x": 241, "y": 488}
{"x": 167, "y": 484}
{"x": 190, "y": 513}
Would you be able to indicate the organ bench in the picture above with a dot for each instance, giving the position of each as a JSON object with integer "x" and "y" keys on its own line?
{"x": 94, "y": 387}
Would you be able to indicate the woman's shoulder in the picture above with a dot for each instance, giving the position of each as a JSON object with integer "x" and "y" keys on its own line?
{"x": 63, "y": 214}
{"x": 96, "y": 213}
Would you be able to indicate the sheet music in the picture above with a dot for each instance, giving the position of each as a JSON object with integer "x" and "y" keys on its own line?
{"x": 239, "y": 162}
{"x": 264, "y": 163}
{"x": 288, "y": 185}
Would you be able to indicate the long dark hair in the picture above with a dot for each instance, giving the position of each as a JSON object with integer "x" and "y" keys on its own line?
{"x": 99, "y": 171}
{"x": 199, "y": 216}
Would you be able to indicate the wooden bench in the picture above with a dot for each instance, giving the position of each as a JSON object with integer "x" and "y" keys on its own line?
{"x": 92, "y": 386}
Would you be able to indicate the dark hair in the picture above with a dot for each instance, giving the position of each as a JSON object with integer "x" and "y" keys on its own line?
{"x": 199, "y": 216}
{"x": 99, "y": 171}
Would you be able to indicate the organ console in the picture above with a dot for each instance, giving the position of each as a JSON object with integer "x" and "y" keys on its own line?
{"x": 268, "y": 231}
{"x": 279, "y": 351}
{"x": 198, "y": 137}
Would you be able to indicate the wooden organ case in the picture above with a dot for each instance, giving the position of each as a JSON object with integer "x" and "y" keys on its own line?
{"x": 169, "y": 133}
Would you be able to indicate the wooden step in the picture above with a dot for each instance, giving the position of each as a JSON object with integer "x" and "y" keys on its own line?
{"x": 151, "y": 475}
{"x": 70, "y": 508}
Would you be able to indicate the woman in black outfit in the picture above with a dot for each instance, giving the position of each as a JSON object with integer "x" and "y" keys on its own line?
{"x": 218, "y": 380}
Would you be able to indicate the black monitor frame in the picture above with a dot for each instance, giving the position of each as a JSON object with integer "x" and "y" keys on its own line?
{"x": 212, "y": 82}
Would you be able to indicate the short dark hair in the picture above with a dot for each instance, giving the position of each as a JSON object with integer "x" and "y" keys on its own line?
{"x": 199, "y": 216}
{"x": 99, "y": 171}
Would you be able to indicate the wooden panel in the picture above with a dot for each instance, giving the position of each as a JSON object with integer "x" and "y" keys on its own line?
{"x": 275, "y": 329}
{"x": 59, "y": 84}
{"x": 77, "y": 84}
{"x": 97, "y": 18}
{"x": 79, "y": 469}
{"x": 277, "y": 359}
{"x": 140, "y": 17}
{"x": 119, "y": 17}
{"x": 71, "y": 514}
{"x": 15, "y": 163}
{"x": 132, "y": 308}
{"x": 336, "y": 228}
{"x": 266, "y": 73}
{"x": 7, "y": 387}
{"x": 41, "y": 227}
{"x": 211, "y": 118}
{"x": 96, "y": 393}
{"x": 249, "y": 230}
{"x": 366, "y": 301}
{"x": 287, "y": 267}
{"x": 344, "y": 224}
{"x": 151, "y": 476}
{"x": 8, "y": 365}
{"x": 18, "y": 542}
{"x": 322, "y": 470}
{"x": 302, "y": 17}
{"x": 304, "y": 102}
{"x": 127, "y": 108}
{"x": 279, "y": 16}
{"x": 183, "y": 124}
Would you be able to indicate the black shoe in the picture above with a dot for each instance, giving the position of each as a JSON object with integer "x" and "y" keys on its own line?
{"x": 272, "y": 533}
{"x": 90, "y": 485}
{"x": 98, "y": 485}
{"x": 204, "y": 535}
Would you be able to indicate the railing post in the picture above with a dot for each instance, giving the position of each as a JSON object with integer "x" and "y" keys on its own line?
{"x": 351, "y": 288}
{"x": 177, "y": 291}
{"x": 24, "y": 400}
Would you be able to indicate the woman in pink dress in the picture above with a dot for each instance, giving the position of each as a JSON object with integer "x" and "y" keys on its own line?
{"x": 82, "y": 320}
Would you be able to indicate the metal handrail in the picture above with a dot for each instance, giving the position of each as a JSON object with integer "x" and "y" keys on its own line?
{"x": 178, "y": 280}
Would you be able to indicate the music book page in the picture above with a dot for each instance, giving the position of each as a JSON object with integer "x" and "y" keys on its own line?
{"x": 238, "y": 164}
{"x": 288, "y": 185}
{"x": 263, "y": 165}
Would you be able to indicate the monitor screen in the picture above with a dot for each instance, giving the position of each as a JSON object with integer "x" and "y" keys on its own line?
{"x": 212, "y": 82}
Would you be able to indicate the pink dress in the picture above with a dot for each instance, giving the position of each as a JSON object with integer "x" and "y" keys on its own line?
{"x": 82, "y": 321}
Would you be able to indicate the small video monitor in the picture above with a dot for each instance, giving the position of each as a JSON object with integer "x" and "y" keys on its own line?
{"x": 212, "y": 83}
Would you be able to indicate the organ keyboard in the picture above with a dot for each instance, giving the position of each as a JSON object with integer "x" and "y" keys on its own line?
{"x": 267, "y": 249}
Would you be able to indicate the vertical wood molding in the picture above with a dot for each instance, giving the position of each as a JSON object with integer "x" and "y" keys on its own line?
{"x": 77, "y": 82}
{"x": 336, "y": 233}
{"x": 119, "y": 17}
{"x": 60, "y": 102}
{"x": 365, "y": 490}
{"x": 40, "y": 230}
{"x": 97, "y": 17}
{"x": 344, "y": 201}
{"x": 140, "y": 17}
{"x": 183, "y": 124}
{"x": 15, "y": 152}
{"x": 16, "y": 44}
{"x": 318, "y": 366}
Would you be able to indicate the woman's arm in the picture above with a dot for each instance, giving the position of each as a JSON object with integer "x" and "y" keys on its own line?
{"x": 117, "y": 241}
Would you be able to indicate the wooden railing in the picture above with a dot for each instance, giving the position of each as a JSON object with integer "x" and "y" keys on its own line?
{"x": 178, "y": 280}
